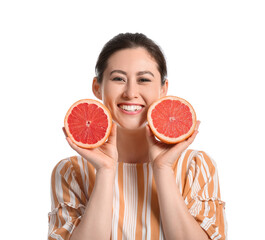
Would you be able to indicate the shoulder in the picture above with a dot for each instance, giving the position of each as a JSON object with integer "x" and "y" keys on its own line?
{"x": 72, "y": 181}
{"x": 65, "y": 165}
{"x": 62, "y": 165}
{"x": 75, "y": 166}
{"x": 197, "y": 158}
{"x": 194, "y": 165}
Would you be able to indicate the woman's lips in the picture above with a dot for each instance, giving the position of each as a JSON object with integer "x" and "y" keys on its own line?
{"x": 130, "y": 108}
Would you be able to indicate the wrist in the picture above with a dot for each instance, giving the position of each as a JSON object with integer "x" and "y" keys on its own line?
{"x": 105, "y": 178}
{"x": 106, "y": 172}
{"x": 165, "y": 178}
{"x": 160, "y": 170}
{"x": 161, "y": 167}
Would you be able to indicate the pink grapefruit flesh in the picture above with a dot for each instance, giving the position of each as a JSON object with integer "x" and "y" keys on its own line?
{"x": 171, "y": 119}
{"x": 88, "y": 123}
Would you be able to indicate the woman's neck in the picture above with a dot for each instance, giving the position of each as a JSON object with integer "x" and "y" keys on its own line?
{"x": 132, "y": 145}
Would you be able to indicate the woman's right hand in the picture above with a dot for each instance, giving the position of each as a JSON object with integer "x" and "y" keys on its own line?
{"x": 104, "y": 157}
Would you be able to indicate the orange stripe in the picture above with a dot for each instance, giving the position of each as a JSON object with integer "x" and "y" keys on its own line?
{"x": 220, "y": 221}
{"x": 53, "y": 185}
{"x": 121, "y": 212}
{"x": 78, "y": 179}
{"x": 212, "y": 172}
{"x": 66, "y": 189}
{"x": 83, "y": 193}
{"x": 85, "y": 174}
{"x": 155, "y": 214}
{"x": 60, "y": 213}
{"x": 65, "y": 185}
{"x": 146, "y": 200}
{"x": 78, "y": 175}
{"x": 185, "y": 183}
{"x": 63, "y": 233}
{"x": 140, "y": 187}
{"x": 91, "y": 176}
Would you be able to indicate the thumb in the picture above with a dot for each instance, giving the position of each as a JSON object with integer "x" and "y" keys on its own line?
{"x": 113, "y": 134}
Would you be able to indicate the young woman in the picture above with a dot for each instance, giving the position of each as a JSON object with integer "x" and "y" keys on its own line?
{"x": 133, "y": 186}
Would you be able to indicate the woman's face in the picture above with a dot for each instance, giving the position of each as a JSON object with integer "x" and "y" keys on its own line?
{"x": 131, "y": 83}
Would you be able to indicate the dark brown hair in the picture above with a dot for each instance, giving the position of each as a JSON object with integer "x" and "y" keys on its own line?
{"x": 130, "y": 40}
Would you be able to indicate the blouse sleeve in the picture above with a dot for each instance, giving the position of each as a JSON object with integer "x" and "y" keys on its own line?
{"x": 69, "y": 194}
{"x": 201, "y": 193}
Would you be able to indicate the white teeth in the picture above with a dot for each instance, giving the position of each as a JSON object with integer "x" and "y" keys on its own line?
{"x": 131, "y": 108}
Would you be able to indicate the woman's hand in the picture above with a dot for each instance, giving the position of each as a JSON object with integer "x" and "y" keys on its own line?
{"x": 103, "y": 157}
{"x": 164, "y": 155}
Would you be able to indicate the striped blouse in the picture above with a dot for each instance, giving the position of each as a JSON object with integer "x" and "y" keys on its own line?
{"x": 135, "y": 203}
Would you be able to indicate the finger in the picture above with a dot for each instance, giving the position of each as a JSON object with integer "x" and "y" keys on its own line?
{"x": 79, "y": 150}
{"x": 185, "y": 144}
{"x": 69, "y": 140}
{"x": 64, "y": 131}
{"x": 197, "y": 125}
{"x": 71, "y": 143}
{"x": 192, "y": 137}
{"x": 113, "y": 134}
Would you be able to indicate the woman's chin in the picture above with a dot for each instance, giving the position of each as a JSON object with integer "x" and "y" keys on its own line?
{"x": 131, "y": 125}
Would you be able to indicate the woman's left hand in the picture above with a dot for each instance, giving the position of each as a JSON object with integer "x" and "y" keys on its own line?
{"x": 164, "y": 155}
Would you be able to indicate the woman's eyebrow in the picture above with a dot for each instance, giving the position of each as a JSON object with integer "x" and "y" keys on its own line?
{"x": 145, "y": 72}
{"x": 118, "y": 71}
{"x": 138, "y": 73}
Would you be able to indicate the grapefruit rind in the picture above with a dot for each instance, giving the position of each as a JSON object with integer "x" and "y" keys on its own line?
{"x": 106, "y": 111}
{"x": 161, "y": 136}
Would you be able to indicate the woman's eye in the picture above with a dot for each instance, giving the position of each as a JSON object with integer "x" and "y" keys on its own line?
{"x": 144, "y": 80}
{"x": 118, "y": 79}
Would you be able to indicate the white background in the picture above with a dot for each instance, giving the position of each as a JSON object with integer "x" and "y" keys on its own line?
{"x": 216, "y": 58}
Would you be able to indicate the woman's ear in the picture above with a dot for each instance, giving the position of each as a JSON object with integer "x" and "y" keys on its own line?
{"x": 164, "y": 89}
{"x": 96, "y": 88}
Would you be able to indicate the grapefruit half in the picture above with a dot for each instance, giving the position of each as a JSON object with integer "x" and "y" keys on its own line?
{"x": 88, "y": 123}
{"x": 171, "y": 119}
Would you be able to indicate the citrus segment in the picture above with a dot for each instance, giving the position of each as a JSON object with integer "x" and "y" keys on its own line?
{"x": 171, "y": 119}
{"x": 88, "y": 123}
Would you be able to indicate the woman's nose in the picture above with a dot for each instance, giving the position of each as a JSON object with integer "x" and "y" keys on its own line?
{"x": 130, "y": 91}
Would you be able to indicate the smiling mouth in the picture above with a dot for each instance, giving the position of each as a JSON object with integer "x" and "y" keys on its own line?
{"x": 130, "y": 108}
